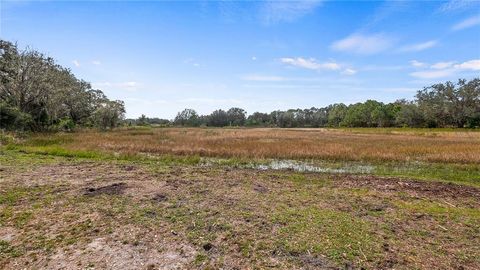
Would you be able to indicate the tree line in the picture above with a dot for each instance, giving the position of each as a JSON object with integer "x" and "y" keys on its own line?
{"x": 440, "y": 105}
{"x": 37, "y": 94}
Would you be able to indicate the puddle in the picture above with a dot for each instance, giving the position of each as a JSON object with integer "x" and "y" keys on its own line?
{"x": 300, "y": 166}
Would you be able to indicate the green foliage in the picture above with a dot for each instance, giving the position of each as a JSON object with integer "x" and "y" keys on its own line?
{"x": 218, "y": 118}
{"x": 187, "y": 117}
{"x": 66, "y": 124}
{"x": 38, "y": 94}
{"x": 11, "y": 118}
{"x": 236, "y": 117}
{"x": 440, "y": 105}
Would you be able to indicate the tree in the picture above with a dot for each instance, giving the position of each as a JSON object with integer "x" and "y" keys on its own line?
{"x": 218, "y": 118}
{"x": 258, "y": 119}
{"x": 450, "y": 104}
{"x": 142, "y": 120}
{"x": 109, "y": 114}
{"x": 187, "y": 117}
{"x": 236, "y": 116}
{"x": 408, "y": 115}
{"x": 336, "y": 114}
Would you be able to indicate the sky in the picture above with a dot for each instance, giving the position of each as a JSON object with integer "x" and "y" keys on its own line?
{"x": 163, "y": 56}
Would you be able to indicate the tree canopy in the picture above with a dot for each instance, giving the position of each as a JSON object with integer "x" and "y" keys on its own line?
{"x": 38, "y": 94}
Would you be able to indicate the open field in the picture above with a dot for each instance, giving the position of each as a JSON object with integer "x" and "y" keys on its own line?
{"x": 334, "y": 144}
{"x": 208, "y": 198}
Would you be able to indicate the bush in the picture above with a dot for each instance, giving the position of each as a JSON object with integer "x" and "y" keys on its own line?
{"x": 66, "y": 124}
{"x": 6, "y": 139}
{"x": 11, "y": 118}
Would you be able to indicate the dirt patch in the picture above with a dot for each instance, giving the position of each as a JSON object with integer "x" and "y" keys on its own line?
{"x": 259, "y": 188}
{"x": 160, "y": 197}
{"x": 102, "y": 253}
{"x": 113, "y": 189}
{"x": 392, "y": 184}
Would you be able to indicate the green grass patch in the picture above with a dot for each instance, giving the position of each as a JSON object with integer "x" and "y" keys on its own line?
{"x": 442, "y": 211}
{"x": 467, "y": 174}
{"x": 337, "y": 235}
{"x": 8, "y": 251}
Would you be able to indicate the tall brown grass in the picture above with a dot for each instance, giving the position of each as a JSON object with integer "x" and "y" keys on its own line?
{"x": 352, "y": 145}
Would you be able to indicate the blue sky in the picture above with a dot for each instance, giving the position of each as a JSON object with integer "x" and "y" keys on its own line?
{"x": 161, "y": 57}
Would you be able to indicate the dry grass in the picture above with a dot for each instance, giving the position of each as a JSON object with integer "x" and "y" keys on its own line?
{"x": 332, "y": 144}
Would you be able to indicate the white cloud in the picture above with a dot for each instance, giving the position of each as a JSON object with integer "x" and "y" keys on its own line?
{"x": 363, "y": 44}
{"x": 442, "y": 65}
{"x": 96, "y": 62}
{"x": 310, "y": 63}
{"x": 419, "y": 46}
{"x": 262, "y": 78}
{"x": 469, "y": 65}
{"x": 384, "y": 67}
{"x": 416, "y": 63}
{"x": 469, "y": 22}
{"x": 254, "y": 58}
{"x": 445, "y": 69}
{"x": 349, "y": 71}
{"x": 433, "y": 74}
{"x": 286, "y": 11}
{"x": 76, "y": 63}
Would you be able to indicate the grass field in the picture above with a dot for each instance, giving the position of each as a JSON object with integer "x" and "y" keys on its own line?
{"x": 167, "y": 198}
{"x": 348, "y": 145}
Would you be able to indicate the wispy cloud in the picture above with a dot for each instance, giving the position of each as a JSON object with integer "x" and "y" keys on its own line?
{"x": 469, "y": 65}
{"x": 349, "y": 71}
{"x": 419, "y": 46}
{"x": 456, "y": 5}
{"x": 76, "y": 63}
{"x": 96, "y": 62}
{"x": 310, "y": 63}
{"x": 433, "y": 74}
{"x": 363, "y": 44}
{"x": 445, "y": 69}
{"x": 384, "y": 11}
{"x": 442, "y": 65}
{"x": 416, "y": 63}
{"x": 469, "y": 22}
{"x": 313, "y": 64}
{"x": 273, "y": 12}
